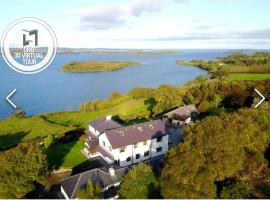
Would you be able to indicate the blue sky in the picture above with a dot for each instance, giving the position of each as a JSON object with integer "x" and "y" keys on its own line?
{"x": 154, "y": 24}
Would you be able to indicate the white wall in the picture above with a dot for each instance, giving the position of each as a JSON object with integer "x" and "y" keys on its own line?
{"x": 130, "y": 151}
{"x": 163, "y": 144}
{"x": 95, "y": 132}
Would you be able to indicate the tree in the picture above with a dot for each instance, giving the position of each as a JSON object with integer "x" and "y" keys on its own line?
{"x": 167, "y": 98}
{"x": 20, "y": 168}
{"x": 139, "y": 183}
{"x": 234, "y": 189}
{"x": 214, "y": 149}
{"x": 219, "y": 73}
{"x": 91, "y": 191}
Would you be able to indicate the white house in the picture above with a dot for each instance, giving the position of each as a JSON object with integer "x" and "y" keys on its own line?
{"x": 125, "y": 145}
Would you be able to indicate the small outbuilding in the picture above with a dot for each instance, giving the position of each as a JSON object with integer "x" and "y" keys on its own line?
{"x": 181, "y": 116}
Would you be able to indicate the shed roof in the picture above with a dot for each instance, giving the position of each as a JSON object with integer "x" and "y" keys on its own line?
{"x": 73, "y": 183}
{"x": 183, "y": 112}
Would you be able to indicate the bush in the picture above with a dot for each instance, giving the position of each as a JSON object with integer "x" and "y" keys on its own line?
{"x": 49, "y": 140}
{"x": 90, "y": 192}
{"x": 234, "y": 189}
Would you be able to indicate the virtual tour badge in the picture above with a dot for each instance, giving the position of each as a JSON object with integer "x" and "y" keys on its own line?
{"x": 28, "y": 45}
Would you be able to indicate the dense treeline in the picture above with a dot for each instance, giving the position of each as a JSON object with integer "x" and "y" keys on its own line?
{"x": 216, "y": 149}
{"x": 235, "y": 63}
{"x": 215, "y": 95}
{"x": 209, "y": 97}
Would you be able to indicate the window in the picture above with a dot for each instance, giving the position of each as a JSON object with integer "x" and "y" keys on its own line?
{"x": 159, "y": 139}
{"x": 140, "y": 129}
{"x": 110, "y": 148}
{"x": 151, "y": 126}
{"x": 103, "y": 143}
{"x": 137, "y": 156}
{"x": 146, "y": 154}
{"x": 135, "y": 145}
{"x": 128, "y": 159}
{"x": 121, "y": 133}
{"x": 144, "y": 142}
{"x": 159, "y": 149}
{"x": 122, "y": 149}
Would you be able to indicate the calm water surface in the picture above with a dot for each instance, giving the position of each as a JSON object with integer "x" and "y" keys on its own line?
{"x": 52, "y": 90}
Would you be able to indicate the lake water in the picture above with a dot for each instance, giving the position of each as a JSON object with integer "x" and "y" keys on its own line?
{"x": 52, "y": 90}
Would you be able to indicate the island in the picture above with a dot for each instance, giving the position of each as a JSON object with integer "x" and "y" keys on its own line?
{"x": 96, "y": 66}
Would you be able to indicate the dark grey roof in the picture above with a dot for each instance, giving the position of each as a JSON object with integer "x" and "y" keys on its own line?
{"x": 73, "y": 183}
{"x": 104, "y": 124}
{"x": 124, "y": 136}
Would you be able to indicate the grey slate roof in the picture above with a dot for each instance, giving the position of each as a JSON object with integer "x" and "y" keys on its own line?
{"x": 73, "y": 183}
{"x": 102, "y": 124}
{"x": 182, "y": 113}
{"x": 124, "y": 136}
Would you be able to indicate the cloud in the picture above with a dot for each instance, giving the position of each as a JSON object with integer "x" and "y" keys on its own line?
{"x": 259, "y": 34}
{"x": 256, "y": 34}
{"x": 113, "y": 16}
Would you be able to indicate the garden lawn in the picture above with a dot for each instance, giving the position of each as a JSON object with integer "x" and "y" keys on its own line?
{"x": 66, "y": 155}
{"x": 249, "y": 76}
{"x": 81, "y": 119}
{"x": 15, "y": 130}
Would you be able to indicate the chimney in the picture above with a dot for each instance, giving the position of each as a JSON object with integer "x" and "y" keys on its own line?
{"x": 108, "y": 117}
{"x": 112, "y": 171}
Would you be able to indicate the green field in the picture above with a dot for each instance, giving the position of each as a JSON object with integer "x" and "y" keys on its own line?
{"x": 66, "y": 155}
{"x": 249, "y": 76}
{"x": 95, "y": 66}
{"x": 15, "y": 130}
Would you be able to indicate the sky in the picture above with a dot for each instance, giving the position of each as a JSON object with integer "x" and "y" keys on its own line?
{"x": 149, "y": 24}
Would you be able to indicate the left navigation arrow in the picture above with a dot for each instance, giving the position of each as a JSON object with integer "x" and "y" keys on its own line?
{"x": 8, "y": 98}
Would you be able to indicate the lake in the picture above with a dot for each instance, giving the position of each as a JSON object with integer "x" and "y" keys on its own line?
{"x": 52, "y": 90}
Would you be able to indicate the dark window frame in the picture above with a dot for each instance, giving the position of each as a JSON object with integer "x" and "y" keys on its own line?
{"x": 146, "y": 153}
{"x": 159, "y": 149}
{"x": 159, "y": 139}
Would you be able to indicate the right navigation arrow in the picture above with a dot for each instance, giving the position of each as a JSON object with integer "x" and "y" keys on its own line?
{"x": 263, "y": 98}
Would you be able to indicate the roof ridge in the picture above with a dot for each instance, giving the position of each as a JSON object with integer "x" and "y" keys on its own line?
{"x": 76, "y": 185}
{"x": 95, "y": 169}
{"x": 133, "y": 125}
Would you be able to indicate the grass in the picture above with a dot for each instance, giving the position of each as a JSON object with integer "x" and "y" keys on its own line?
{"x": 66, "y": 155}
{"x": 249, "y": 76}
{"x": 76, "y": 118}
{"x": 15, "y": 130}
{"x": 95, "y": 66}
